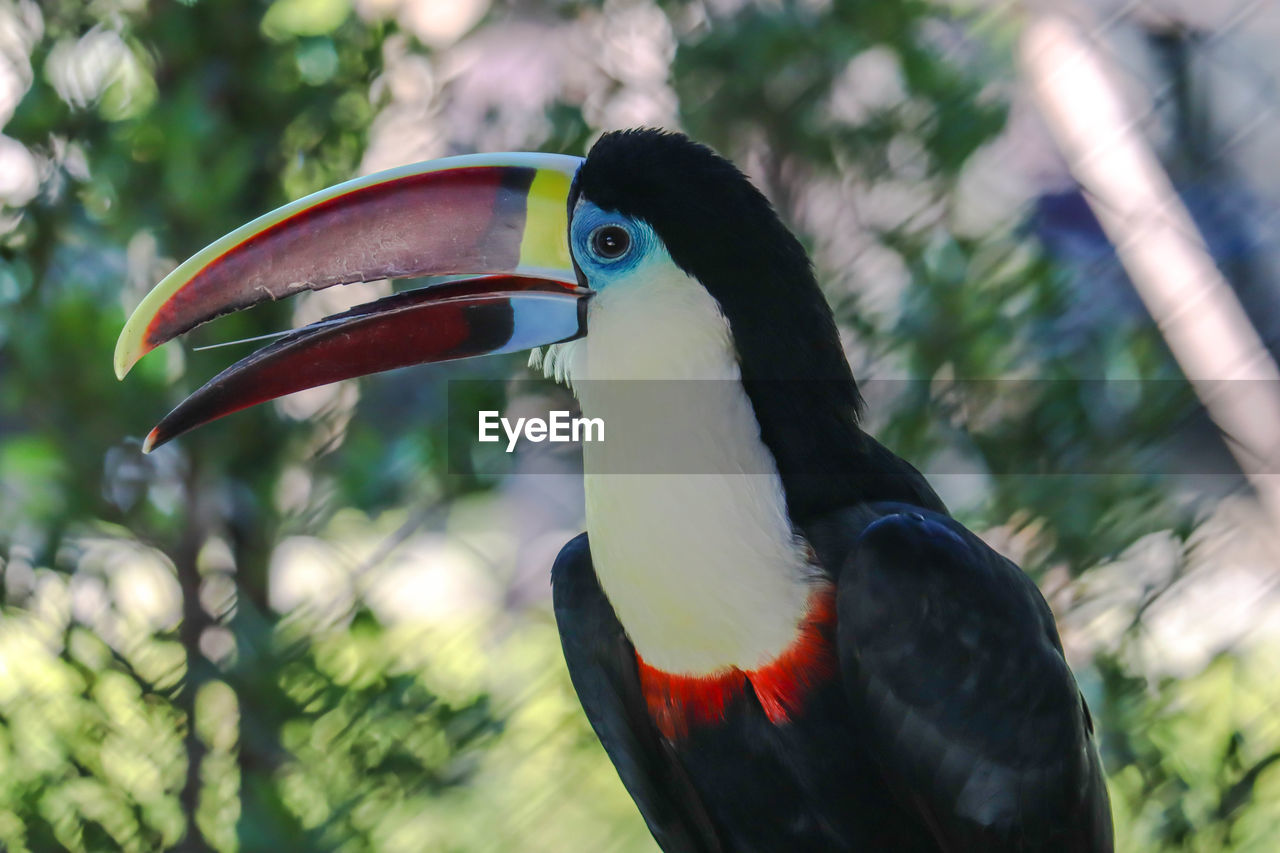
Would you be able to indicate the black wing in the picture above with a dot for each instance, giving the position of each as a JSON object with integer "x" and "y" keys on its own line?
{"x": 953, "y": 666}
{"x": 602, "y": 665}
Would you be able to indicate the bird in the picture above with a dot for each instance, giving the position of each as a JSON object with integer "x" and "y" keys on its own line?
{"x": 776, "y": 629}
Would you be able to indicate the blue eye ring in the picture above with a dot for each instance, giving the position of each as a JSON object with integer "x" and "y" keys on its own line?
{"x": 609, "y": 242}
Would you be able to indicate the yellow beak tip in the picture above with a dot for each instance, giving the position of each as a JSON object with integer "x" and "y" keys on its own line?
{"x": 126, "y": 356}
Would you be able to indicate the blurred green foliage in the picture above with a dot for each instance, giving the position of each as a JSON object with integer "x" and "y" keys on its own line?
{"x": 194, "y": 715}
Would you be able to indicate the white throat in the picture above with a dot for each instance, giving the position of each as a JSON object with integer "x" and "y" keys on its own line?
{"x": 700, "y": 563}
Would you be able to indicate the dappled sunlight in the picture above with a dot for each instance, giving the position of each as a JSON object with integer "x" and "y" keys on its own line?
{"x": 871, "y": 83}
{"x": 309, "y": 578}
{"x": 438, "y": 23}
{"x": 21, "y": 26}
{"x": 100, "y": 68}
{"x": 433, "y": 581}
{"x": 1222, "y": 594}
{"x": 19, "y": 180}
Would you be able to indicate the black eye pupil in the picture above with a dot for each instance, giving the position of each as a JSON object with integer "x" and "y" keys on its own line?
{"x": 610, "y": 241}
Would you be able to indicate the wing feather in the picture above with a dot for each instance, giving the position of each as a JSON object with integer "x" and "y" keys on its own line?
{"x": 602, "y": 666}
{"x": 952, "y": 663}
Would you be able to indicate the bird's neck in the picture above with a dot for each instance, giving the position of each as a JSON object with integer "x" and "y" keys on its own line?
{"x": 690, "y": 534}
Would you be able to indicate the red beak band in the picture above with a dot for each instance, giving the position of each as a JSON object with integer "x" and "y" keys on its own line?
{"x": 472, "y": 215}
{"x": 460, "y": 319}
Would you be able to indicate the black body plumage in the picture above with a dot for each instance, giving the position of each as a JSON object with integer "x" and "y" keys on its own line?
{"x": 953, "y": 723}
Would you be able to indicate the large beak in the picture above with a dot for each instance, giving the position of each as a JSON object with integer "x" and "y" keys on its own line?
{"x": 500, "y": 217}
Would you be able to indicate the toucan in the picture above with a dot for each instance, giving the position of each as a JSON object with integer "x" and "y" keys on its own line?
{"x": 784, "y": 642}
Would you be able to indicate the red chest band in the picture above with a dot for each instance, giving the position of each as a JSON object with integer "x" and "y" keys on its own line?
{"x": 676, "y": 702}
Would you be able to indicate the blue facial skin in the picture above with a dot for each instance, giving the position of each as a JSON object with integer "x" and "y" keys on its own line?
{"x": 587, "y": 219}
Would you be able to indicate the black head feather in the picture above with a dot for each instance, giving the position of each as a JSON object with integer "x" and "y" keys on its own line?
{"x": 722, "y": 230}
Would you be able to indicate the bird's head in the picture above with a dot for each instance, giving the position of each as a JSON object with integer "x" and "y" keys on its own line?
{"x": 546, "y": 244}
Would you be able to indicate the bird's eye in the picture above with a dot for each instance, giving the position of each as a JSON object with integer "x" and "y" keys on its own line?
{"x": 610, "y": 242}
